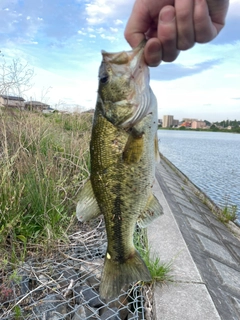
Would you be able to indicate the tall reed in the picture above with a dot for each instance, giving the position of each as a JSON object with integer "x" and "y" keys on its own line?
{"x": 44, "y": 160}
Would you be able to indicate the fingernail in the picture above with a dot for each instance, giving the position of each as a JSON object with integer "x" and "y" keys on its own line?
{"x": 167, "y": 15}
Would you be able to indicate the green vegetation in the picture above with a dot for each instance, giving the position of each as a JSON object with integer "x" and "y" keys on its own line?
{"x": 214, "y": 128}
{"x": 228, "y": 213}
{"x": 226, "y": 123}
{"x": 182, "y": 128}
{"x": 44, "y": 160}
{"x": 160, "y": 272}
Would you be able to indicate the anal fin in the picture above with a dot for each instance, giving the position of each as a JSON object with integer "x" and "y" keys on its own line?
{"x": 87, "y": 207}
{"x": 152, "y": 211}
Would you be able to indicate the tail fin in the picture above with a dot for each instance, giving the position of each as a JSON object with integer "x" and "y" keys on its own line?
{"x": 116, "y": 275}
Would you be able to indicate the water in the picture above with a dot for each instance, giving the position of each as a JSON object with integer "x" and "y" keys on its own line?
{"x": 211, "y": 160}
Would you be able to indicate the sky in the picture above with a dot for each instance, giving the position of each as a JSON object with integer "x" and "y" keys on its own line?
{"x": 62, "y": 40}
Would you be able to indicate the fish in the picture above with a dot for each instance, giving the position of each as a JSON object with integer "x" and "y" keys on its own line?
{"x": 123, "y": 153}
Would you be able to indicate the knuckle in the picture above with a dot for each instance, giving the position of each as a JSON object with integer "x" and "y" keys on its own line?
{"x": 183, "y": 16}
{"x": 185, "y": 43}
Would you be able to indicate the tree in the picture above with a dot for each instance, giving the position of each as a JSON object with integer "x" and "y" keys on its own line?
{"x": 207, "y": 122}
{"x": 182, "y": 128}
{"x": 214, "y": 127}
{"x": 15, "y": 77}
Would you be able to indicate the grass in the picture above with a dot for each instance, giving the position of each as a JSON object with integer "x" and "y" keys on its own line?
{"x": 228, "y": 213}
{"x": 160, "y": 271}
{"x": 43, "y": 163}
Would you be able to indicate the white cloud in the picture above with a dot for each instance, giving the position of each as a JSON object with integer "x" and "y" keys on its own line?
{"x": 100, "y": 30}
{"x": 96, "y": 9}
{"x": 113, "y": 29}
{"x": 107, "y": 9}
{"x": 118, "y": 22}
{"x": 107, "y": 37}
{"x": 92, "y": 36}
{"x": 82, "y": 33}
{"x": 232, "y": 75}
{"x": 94, "y": 20}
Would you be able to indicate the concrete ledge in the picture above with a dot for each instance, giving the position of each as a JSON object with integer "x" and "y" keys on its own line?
{"x": 184, "y": 301}
{"x": 186, "y": 297}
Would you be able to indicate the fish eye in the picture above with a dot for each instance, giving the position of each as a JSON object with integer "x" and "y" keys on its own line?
{"x": 104, "y": 79}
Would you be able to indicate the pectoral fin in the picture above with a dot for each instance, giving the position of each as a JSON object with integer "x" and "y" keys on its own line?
{"x": 87, "y": 207}
{"x": 133, "y": 150}
{"x": 152, "y": 211}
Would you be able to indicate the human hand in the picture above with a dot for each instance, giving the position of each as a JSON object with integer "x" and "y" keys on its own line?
{"x": 171, "y": 26}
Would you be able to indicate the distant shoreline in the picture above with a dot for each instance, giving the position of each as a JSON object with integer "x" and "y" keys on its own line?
{"x": 203, "y": 130}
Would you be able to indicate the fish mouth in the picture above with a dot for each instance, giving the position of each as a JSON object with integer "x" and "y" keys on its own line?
{"x": 137, "y": 62}
{"x": 131, "y": 58}
{"x": 131, "y": 65}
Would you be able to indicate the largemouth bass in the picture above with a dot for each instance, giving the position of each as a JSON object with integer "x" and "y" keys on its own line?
{"x": 123, "y": 150}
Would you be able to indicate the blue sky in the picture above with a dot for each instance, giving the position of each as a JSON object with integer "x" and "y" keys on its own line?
{"x": 62, "y": 41}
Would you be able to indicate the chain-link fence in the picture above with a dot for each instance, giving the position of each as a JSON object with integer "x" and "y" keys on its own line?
{"x": 65, "y": 285}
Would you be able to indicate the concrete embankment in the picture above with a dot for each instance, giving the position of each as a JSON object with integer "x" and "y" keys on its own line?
{"x": 204, "y": 253}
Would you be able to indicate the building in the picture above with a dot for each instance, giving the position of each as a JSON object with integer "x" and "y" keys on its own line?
{"x": 167, "y": 121}
{"x": 175, "y": 123}
{"x": 12, "y": 101}
{"x": 198, "y": 124}
{"x": 185, "y": 124}
{"x": 36, "y": 106}
{"x": 189, "y": 120}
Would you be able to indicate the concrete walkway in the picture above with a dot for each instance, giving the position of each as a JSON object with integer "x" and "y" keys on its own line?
{"x": 205, "y": 255}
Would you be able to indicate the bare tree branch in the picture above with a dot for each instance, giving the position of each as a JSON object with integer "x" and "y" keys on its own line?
{"x": 15, "y": 78}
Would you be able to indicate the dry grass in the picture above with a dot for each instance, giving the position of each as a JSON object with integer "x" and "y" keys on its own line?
{"x": 43, "y": 163}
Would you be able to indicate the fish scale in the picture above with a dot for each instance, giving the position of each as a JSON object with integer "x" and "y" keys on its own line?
{"x": 123, "y": 149}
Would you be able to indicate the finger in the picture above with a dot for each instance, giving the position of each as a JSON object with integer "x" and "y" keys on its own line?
{"x": 185, "y": 28}
{"x": 137, "y": 25}
{"x": 167, "y": 33}
{"x": 153, "y": 52}
{"x": 218, "y": 11}
{"x": 205, "y": 30}
{"x": 133, "y": 37}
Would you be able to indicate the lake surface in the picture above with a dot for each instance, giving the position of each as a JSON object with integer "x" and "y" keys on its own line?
{"x": 211, "y": 160}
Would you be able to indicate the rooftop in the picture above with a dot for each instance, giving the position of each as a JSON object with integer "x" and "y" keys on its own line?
{"x": 12, "y": 97}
